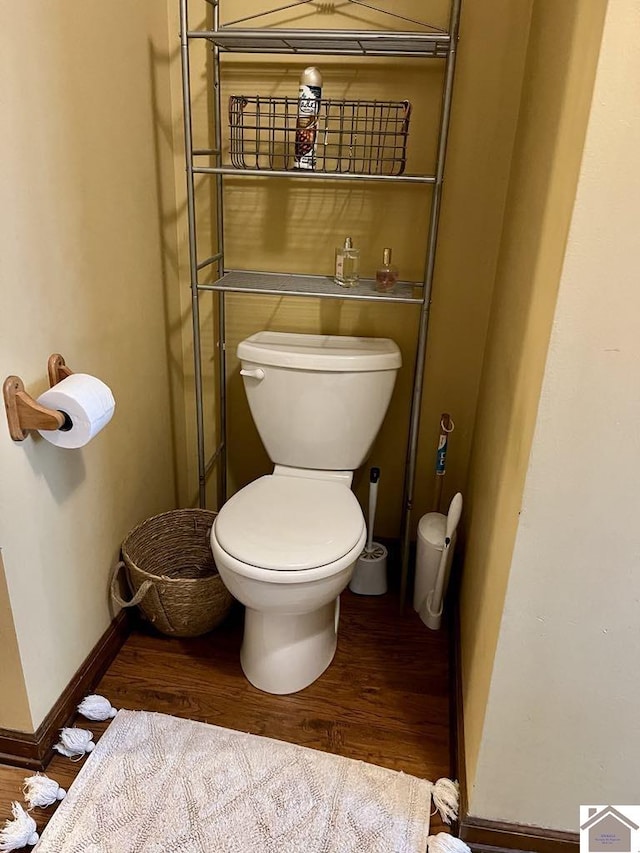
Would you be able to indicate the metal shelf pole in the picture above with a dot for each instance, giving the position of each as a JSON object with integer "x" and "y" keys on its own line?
{"x": 421, "y": 349}
{"x": 193, "y": 250}
{"x": 222, "y": 346}
{"x": 307, "y": 176}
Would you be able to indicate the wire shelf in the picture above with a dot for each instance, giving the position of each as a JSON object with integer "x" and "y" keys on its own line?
{"x": 290, "y": 284}
{"x": 428, "y": 45}
{"x": 356, "y": 137}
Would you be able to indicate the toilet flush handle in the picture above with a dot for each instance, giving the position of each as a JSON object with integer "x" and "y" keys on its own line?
{"x": 254, "y": 373}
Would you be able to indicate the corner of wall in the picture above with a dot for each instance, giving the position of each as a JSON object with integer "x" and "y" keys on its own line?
{"x": 14, "y": 702}
{"x": 556, "y": 96}
{"x": 572, "y": 607}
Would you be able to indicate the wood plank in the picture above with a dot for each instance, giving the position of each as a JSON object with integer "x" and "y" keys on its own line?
{"x": 385, "y": 698}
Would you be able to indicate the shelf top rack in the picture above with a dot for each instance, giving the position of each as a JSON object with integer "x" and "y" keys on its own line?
{"x": 424, "y": 40}
{"x": 429, "y": 45}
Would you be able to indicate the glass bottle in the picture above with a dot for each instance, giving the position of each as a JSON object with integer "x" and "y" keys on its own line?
{"x": 347, "y": 265}
{"x": 386, "y": 275}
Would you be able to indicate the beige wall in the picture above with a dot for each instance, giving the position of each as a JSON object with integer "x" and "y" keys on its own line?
{"x": 562, "y": 726}
{"x": 82, "y": 88}
{"x": 292, "y": 226}
{"x": 14, "y": 702}
{"x": 563, "y": 49}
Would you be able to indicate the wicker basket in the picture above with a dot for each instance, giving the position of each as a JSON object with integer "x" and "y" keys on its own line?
{"x": 172, "y": 575}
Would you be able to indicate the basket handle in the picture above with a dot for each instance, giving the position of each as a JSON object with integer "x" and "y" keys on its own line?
{"x": 144, "y": 588}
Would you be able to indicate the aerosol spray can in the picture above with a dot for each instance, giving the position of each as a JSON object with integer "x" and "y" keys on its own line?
{"x": 307, "y": 124}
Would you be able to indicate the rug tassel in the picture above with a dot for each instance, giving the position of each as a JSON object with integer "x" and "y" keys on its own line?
{"x": 40, "y": 790}
{"x": 18, "y": 832}
{"x": 445, "y": 843}
{"x": 446, "y": 795}
{"x": 74, "y": 743}
{"x": 96, "y": 708}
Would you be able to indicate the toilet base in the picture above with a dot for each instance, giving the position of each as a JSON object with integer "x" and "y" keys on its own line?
{"x": 283, "y": 653}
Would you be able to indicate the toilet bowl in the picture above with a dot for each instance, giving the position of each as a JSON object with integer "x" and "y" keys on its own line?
{"x": 307, "y": 533}
{"x": 286, "y": 544}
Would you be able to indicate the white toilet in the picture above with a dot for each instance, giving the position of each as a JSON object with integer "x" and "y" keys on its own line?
{"x": 286, "y": 544}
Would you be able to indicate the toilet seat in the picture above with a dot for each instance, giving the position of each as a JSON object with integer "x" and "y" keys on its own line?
{"x": 283, "y": 523}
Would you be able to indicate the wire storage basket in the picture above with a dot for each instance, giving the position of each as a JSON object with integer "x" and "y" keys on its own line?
{"x": 172, "y": 574}
{"x": 358, "y": 137}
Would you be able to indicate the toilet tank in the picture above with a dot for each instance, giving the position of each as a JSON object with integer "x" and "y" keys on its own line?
{"x": 318, "y": 401}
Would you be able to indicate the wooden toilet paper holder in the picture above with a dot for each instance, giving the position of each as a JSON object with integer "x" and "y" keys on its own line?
{"x": 23, "y": 412}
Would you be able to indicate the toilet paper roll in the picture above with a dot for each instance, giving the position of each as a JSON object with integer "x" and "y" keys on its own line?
{"x": 87, "y": 402}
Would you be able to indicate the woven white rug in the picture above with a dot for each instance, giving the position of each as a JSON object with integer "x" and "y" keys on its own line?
{"x": 158, "y": 784}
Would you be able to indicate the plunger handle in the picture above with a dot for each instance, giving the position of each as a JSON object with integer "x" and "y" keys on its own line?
{"x": 446, "y": 427}
{"x": 374, "y": 478}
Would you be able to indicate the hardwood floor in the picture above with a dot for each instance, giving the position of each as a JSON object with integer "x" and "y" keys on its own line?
{"x": 385, "y": 698}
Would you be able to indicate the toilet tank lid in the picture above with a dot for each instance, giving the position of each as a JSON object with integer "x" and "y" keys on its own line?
{"x": 337, "y": 353}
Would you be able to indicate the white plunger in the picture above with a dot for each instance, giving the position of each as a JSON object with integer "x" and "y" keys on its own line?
{"x": 370, "y": 574}
{"x": 434, "y": 603}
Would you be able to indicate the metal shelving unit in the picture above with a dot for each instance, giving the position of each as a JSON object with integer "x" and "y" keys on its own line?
{"x": 423, "y": 41}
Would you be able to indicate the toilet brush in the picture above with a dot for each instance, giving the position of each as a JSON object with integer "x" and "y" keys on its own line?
{"x": 370, "y": 573}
